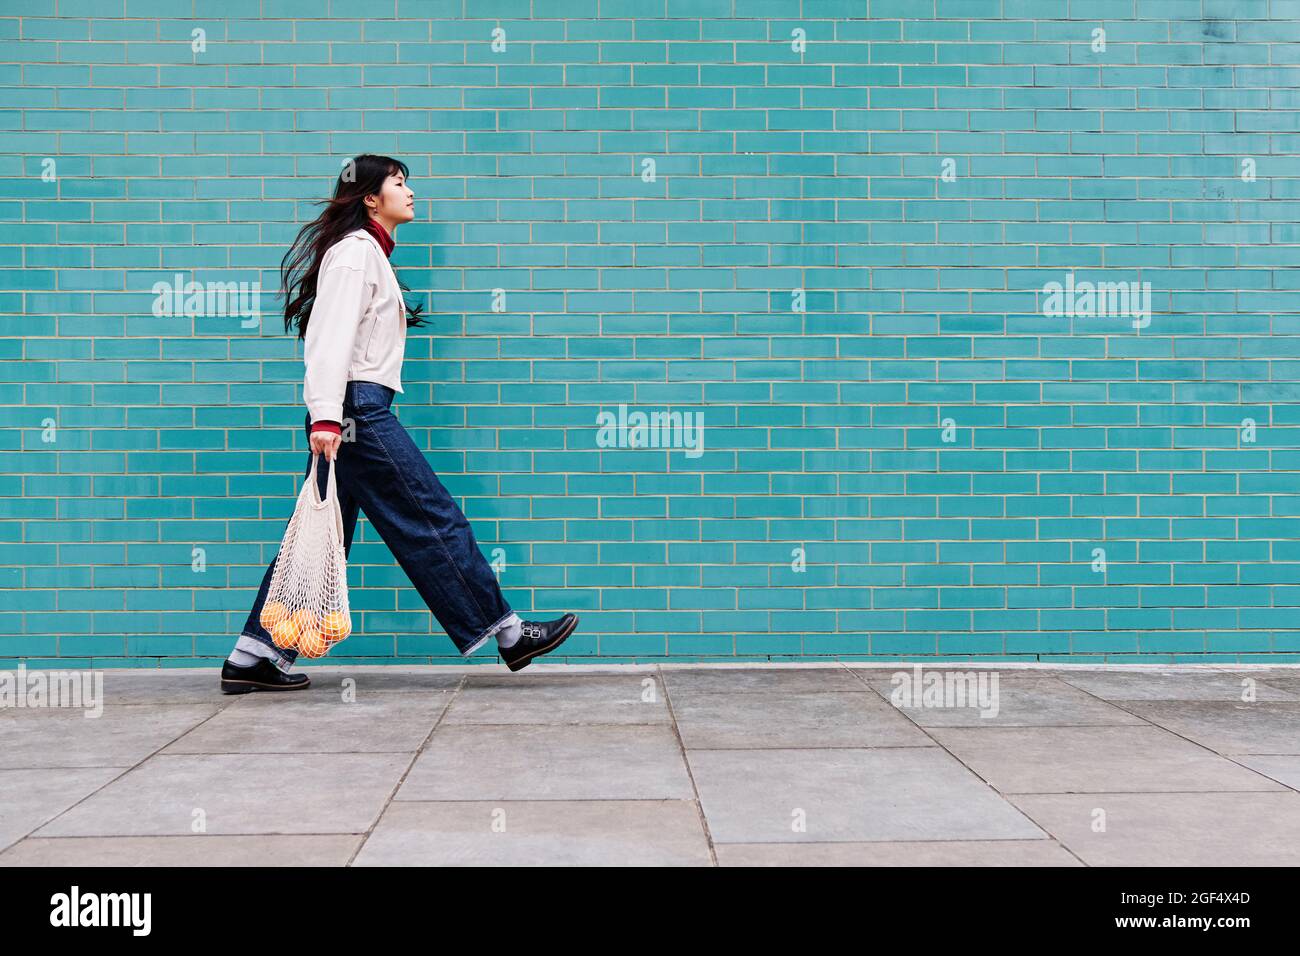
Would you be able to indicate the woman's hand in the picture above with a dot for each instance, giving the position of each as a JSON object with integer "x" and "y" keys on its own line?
{"x": 327, "y": 442}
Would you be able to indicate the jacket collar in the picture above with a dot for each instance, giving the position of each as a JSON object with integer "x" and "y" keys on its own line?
{"x": 366, "y": 235}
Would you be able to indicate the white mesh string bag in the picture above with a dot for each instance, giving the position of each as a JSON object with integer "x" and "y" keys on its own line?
{"x": 307, "y": 601}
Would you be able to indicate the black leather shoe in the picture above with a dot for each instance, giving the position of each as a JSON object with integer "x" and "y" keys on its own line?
{"x": 263, "y": 675}
{"x": 537, "y": 638}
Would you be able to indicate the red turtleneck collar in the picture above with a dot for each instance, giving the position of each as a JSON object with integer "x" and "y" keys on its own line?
{"x": 381, "y": 235}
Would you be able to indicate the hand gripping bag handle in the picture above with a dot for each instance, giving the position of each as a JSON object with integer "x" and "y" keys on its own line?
{"x": 331, "y": 495}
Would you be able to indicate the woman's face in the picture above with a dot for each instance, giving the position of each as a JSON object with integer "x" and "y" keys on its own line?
{"x": 395, "y": 201}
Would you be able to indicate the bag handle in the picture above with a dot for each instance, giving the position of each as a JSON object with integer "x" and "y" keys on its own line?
{"x": 331, "y": 494}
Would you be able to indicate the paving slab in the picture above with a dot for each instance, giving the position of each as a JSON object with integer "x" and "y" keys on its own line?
{"x": 1289, "y": 685}
{"x": 238, "y": 793}
{"x": 849, "y": 795}
{"x": 1285, "y": 770}
{"x": 560, "y": 699}
{"x": 190, "y": 685}
{"x": 780, "y": 719}
{"x": 207, "y": 850}
{"x": 30, "y": 798}
{"x": 1262, "y": 671}
{"x": 1171, "y": 685}
{"x": 1012, "y": 670}
{"x": 1018, "y": 702}
{"x": 550, "y": 762}
{"x": 1093, "y": 759}
{"x": 1172, "y": 829}
{"x": 1008, "y": 670}
{"x": 298, "y": 722}
{"x": 761, "y": 680}
{"x": 203, "y": 684}
{"x": 121, "y": 736}
{"x": 905, "y": 853}
{"x": 378, "y": 677}
{"x": 1228, "y": 727}
{"x": 539, "y": 833}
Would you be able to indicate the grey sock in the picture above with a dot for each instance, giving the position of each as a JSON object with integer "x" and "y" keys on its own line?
{"x": 509, "y": 632}
{"x": 242, "y": 658}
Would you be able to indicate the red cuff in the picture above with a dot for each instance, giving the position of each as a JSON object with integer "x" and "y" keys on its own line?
{"x": 327, "y": 426}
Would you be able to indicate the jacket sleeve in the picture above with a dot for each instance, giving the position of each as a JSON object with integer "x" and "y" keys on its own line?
{"x": 342, "y": 294}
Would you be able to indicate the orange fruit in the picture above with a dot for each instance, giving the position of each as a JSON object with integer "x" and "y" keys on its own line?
{"x": 311, "y": 644}
{"x": 273, "y": 614}
{"x": 304, "y": 620}
{"x": 284, "y": 634}
{"x": 336, "y": 626}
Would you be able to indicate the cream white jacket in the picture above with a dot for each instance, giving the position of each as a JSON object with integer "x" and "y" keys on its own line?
{"x": 357, "y": 326}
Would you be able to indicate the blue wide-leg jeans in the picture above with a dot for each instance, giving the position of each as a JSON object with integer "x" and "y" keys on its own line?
{"x": 384, "y": 474}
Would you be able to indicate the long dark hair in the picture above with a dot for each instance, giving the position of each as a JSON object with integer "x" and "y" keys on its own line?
{"x": 345, "y": 212}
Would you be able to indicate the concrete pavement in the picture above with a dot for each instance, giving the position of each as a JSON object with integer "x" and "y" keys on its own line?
{"x": 675, "y": 764}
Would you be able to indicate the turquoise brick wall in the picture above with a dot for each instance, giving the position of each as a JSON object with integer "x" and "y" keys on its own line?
{"x": 831, "y": 228}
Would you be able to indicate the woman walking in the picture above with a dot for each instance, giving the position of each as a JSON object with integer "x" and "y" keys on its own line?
{"x": 347, "y": 303}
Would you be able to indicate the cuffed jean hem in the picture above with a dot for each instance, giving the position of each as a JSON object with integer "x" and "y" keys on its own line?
{"x": 478, "y": 641}
{"x": 254, "y": 645}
